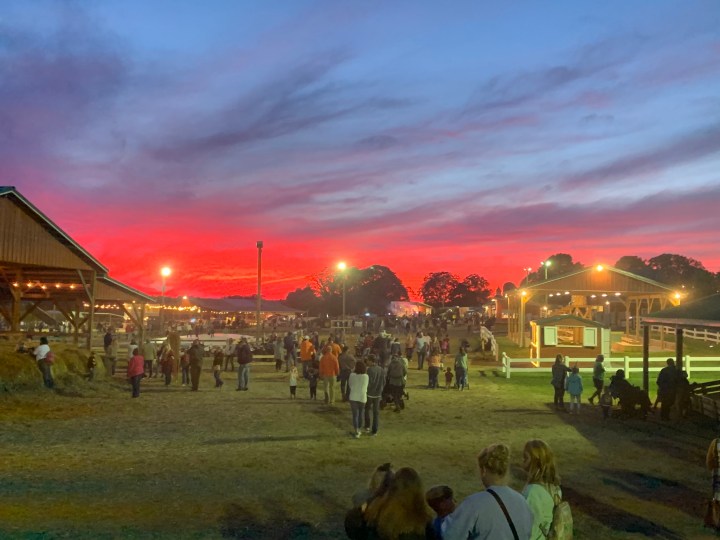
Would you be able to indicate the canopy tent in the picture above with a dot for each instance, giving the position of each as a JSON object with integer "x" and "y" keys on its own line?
{"x": 41, "y": 266}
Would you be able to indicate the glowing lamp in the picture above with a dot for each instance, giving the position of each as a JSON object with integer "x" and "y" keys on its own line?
{"x": 341, "y": 266}
{"x": 165, "y": 271}
{"x": 599, "y": 268}
{"x": 677, "y": 295}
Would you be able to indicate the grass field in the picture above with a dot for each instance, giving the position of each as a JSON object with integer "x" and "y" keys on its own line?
{"x": 87, "y": 461}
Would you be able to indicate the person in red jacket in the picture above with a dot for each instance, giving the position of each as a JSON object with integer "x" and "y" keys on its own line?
{"x": 329, "y": 370}
{"x": 135, "y": 371}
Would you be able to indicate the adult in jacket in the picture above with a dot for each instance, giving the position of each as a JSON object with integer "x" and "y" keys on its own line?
{"x": 329, "y": 370}
{"x": 196, "y": 353}
{"x": 244, "y": 359}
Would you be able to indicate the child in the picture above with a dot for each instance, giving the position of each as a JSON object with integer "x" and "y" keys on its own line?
{"x": 312, "y": 376}
{"x": 606, "y": 402}
{"x": 91, "y": 363}
{"x": 218, "y": 358}
{"x": 442, "y": 500}
{"x": 185, "y": 367}
{"x": 574, "y": 386}
{"x": 448, "y": 378}
{"x": 293, "y": 381}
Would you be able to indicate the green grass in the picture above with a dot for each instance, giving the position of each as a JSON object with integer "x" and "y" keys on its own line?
{"x": 91, "y": 462}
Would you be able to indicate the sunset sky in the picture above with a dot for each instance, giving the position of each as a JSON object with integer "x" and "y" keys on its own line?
{"x": 470, "y": 137}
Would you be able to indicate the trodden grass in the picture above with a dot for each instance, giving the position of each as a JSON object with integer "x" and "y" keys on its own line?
{"x": 221, "y": 463}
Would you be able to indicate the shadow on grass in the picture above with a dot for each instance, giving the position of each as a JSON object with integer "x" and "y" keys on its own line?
{"x": 237, "y": 522}
{"x": 660, "y": 490}
{"x": 615, "y": 518}
{"x": 269, "y": 438}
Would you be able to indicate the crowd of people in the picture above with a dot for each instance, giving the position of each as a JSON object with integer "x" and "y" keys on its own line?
{"x": 395, "y": 505}
{"x": 673, "y": 388}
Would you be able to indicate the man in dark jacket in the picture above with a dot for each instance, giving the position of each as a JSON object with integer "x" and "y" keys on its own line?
{"x": 376, "y": 383}
{"x": 196, "y": 353}
{"x": 244, "y": 357}
{"x": 347, "y": 364}
{"x": 667, "y": 385}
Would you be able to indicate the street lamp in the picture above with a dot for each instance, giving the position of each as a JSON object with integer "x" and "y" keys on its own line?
{"x": 260, "y": 331}
{"x": 165, "y": 271}
{"x": 546, "y": 264}
{"x": 342, "y": 267}
{"x": 527, "y": 277}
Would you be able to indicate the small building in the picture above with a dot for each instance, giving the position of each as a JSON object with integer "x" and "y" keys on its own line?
{"x": 568, "y": 335}
{"x": 405, "y": 308}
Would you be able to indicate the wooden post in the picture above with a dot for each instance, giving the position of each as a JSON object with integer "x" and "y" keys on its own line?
{"x": 678, "y": 349}
{"x": 90, "y": 291}
{"x": 646, "y": 357}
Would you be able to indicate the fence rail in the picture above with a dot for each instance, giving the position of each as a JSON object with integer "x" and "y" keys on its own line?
{"x": 693, "y": 333}
{"x": 691, "y": 364}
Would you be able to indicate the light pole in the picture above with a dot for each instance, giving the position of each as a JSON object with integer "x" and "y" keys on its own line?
{"x": 342, "y": 267}
{"x": 546, "y": 264}
{"x": 257, "y": 315}
{"x": 165, "y": 271}
{"x": 527, "y": 277}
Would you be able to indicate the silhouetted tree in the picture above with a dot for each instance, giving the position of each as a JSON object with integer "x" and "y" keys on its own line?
{"x": 472, "y": 291}
{"x": 633, "y": 264}
{"x": 683, "y": 272}
{"x": 304, "y": 299}
{"x": 438, "y": 287}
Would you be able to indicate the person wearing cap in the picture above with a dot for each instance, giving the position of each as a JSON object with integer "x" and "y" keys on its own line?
{"x": 307, "y": 354}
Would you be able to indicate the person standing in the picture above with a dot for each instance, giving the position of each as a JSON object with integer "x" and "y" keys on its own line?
{"x": 461, "y": 368}
{"x": 598, "y": 377}
{"x": 217, "y": 366}
{"x": 185, "y": 366}
{"x": 667, "y": 386}
{"x": 196, "y": 353}
{"x": 480, "y": 516}
{"x": 293, "y": 382}
{"x": 168, "y": 365}
{"x": 421, "y": 346}
{"x": 136, "y": 371}
{"x": 230, "y": 354}
{"x": 149, "y": 353}
{"x": 574, "y": 387}
{"x": 543, "y": 486}
{"x": 307, "y": 354}
{"x": 376, "y": 383}
{"x": 409, "y": 346}
{"x": 396, "y": 374}
{"x": 245, "y": 358}
{"x": 278, "y": 352}
{"x": 44, "y": 361}
{"x": 357, "y": 393}
{"x": 329, "y": 370}
{"x": 107, "y": 340}
{"x": 559, "y": 373}
{"x": 347, "y": 365}
{"x": 290, "y": 352}
{"x": 434, "y": 361}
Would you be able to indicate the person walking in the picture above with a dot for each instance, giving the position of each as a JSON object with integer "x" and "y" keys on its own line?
{"x": 559, "y": 373}
{"x": 149, "y": 353}
{"x": 357, "y": 392}
{"x": 136, "y": 371}
{"x": 667, "y": 387}
{"x": 307, "y": 354}
{"x": 244, "y": 358}
{"x": 598, "y": 377}
{"x": 329, "y": 370}
{"x": 421, "y": 347}
{"x": 376, "y": 383}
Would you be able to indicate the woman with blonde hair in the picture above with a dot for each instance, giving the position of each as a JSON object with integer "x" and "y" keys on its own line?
{"x": 543, "y": 485}
{"x": 402, "y": 512}
{"x": 499, "y": 512}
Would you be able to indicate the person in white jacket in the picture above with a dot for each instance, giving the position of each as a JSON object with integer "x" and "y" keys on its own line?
{"x": 358, "y": 383}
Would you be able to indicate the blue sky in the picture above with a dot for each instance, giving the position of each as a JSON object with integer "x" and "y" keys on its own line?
{"x": 473, "y": 137}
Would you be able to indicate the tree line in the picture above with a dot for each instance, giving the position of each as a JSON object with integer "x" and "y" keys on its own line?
{"x": 371, "y": 289}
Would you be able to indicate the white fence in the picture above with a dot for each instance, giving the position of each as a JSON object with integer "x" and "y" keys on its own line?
{"x": 704, "y": 334}
{"x": 691, "y": 364}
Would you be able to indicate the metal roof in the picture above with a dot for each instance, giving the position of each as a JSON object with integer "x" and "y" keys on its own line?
{"x": 704, "y": 312}
{"x": 591, "y": 280}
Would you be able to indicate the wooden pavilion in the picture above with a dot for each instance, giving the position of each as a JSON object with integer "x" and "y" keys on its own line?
{"x": 699, "y": 314}
{"x": 590, "y": 291}
{"x": 41, "y": 266}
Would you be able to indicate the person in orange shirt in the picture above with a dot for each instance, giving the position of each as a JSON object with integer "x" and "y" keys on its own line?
{"x": 329, "y": 370}
{"x": 336, "y": 348}
{"x": 307, "y": 355}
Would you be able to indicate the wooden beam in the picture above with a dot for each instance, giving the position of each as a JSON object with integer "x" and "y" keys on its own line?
{"x": 91, "y": 321}
{"x": 32, "y": 308}
{"x": 646, "y": 357}
{"x": 679, "y": 349}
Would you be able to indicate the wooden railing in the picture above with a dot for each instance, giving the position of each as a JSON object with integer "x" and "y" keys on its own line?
{"x": 694, "y": 333}
{"x": 691, "y": 364}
